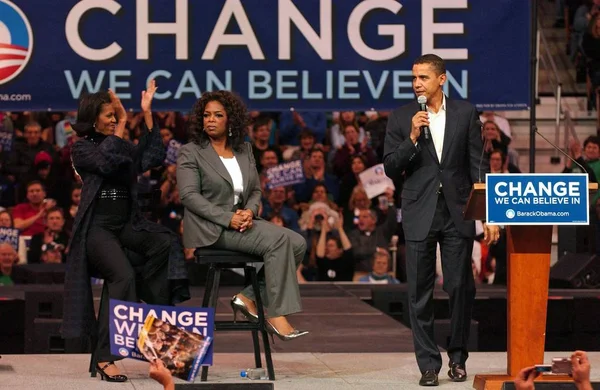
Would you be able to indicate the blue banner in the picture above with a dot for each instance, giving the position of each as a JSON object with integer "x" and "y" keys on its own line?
{"x": 285, "y": 174}
{"x": 537, "y": 199}
{"x": 10, "y": 236}
{"x": 277, "y": 54}
{"x": 126, "y": 321}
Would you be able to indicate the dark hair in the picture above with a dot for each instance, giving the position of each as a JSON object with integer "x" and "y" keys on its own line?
{"x": 260, "y": 121}
{"x": 90, "y": 106}
{"x": 306, "y": 133}
{"x": 34, "y": 182}
{"x": 338, "y": 242}
{"x": 315, "y": 150}
{"x": 276, "y": 215}
{"x": 56, "y": 209}
{"x": 592, "y": 139}
{"x": 76, "y": 186}
{"x": 502, "y": 155}
{"x": 320, "y": 185}
{"x": 436, "y": 62}
{"x": 269, "y": 149}
{"x": 237, "y": 118}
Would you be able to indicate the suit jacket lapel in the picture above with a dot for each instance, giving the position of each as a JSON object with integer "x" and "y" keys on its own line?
{"x": 212, "y": 158}
{"x": 431, "y": 147}
{"x": 450, "y": 130}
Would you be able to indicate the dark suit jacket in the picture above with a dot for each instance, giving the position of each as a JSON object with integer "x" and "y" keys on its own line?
{"x": 457, "y": 171}
{"x": 206, "y": 191}
{"x": 95, "y": 162}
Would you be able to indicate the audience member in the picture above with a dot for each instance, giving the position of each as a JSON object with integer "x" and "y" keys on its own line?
{"x": 275, "y": 205}
{"x": 291, "y": 123}
{"x": 6, "y": 220}
{"x": 380, "y": 269}
{"x": 336, "y": 134}
{"x": 160, "y": 373}
{"x": 334, "y": 253}
{"x": 29, "y": 216}
{"x": 8, "y": 258}
{"x": 580, "y": 371}
{"x": 316, "y": 174}
{"x": 49, "y": 246}
{"x": 352, "y": 147}
{"x": 22, "y": 156}
{"x": 367, "y": 237}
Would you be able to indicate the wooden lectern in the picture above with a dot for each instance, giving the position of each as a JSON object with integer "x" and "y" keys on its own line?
{"x": 528, "y": 276}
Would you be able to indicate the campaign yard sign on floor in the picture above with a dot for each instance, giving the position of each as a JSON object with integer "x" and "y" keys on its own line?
{"x": 537, "y": 199}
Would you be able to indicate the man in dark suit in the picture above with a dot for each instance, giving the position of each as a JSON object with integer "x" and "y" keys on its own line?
{"x": 440, "y": 166}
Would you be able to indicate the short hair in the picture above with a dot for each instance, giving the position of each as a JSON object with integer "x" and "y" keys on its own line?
{"x": 501, "y": 153}
{"x": 55, "y": 210}
{"x": 306, "y": 133}
{"x": 436, "y": 62}
{"x": 34, "y": 182}
{"x": 315, "y": 150}
{"x": 32, "y": 123}
{"x": 592, "y": 139}
{"x": 337, "y": 241}
{"x": 269, "y": 149}
{"x": 261, "y": 121}
{"x": 381, "y": 253}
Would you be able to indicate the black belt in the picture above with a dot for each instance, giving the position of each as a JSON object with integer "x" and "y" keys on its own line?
{"x": 113, "y": 194}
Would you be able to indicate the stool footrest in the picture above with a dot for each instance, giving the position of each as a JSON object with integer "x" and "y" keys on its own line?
{"x": 230, "y": 325}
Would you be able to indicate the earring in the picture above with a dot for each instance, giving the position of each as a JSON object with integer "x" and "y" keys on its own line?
{"x": 94, "y": 125}
{"x": 230, "y": 133}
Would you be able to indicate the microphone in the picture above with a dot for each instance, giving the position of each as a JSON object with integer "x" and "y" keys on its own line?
{"x": 560, "y": 150}
{"x": 478, "y": 122}
{"x": 422, "y": 100}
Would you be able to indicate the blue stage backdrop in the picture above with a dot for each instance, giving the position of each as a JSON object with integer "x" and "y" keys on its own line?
{"x": 277, "y": 54}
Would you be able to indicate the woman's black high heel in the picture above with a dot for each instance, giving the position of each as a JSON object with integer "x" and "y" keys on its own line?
{"x": 110, "y": 378}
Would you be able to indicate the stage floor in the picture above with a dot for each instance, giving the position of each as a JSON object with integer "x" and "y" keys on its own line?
{"x": 293, "y": 371}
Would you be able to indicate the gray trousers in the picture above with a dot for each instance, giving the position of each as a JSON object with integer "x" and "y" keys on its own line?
{"x": 282, "y": 250}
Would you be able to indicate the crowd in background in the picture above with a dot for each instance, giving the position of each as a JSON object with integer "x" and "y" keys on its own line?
{"x": 350, "y": 236}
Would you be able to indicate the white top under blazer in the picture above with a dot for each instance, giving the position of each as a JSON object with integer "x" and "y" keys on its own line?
{"x": 235, "y": 172}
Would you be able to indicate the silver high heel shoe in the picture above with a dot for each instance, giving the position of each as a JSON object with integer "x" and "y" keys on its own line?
{"x": 238, "y": 305}
{"x": 284, "y": 337}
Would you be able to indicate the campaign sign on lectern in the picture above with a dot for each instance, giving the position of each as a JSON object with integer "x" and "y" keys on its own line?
{"x": 537, "y": 199}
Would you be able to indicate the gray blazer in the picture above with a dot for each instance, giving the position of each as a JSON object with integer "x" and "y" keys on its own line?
{"x": 206, "y": 191}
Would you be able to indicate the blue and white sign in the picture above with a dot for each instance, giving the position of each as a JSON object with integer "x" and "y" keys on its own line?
{"x": 277, "y": 54}
{"x": 126, "y": 320}
{"x": 537, "y": 199}
{"x": 11, "y": 236}
{"x": 285, "y": 174}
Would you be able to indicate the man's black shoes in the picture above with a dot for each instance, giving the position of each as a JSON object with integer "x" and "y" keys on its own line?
{"x": 457, "y": 372}
{"x": 429, "y": 378}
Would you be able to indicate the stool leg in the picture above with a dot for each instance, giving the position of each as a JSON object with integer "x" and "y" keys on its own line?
{"x": 208, "y": 287}
{"x": 206, "y": 302}
{"x": 248, "y": 272}
{"x": 261, "y": 322}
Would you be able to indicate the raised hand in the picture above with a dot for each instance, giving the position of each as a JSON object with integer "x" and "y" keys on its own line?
{"x": 148, "y": 95}
{"x": 117, "y": 106}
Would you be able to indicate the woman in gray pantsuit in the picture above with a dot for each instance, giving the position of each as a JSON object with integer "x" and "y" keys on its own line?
{"x": 220, "y": 189}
